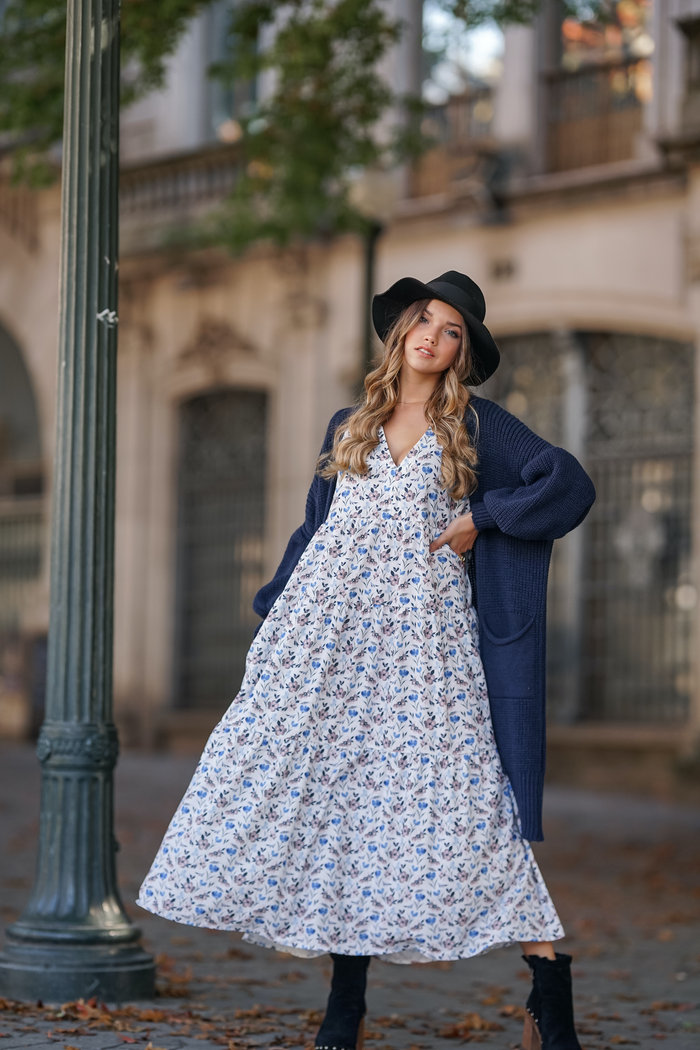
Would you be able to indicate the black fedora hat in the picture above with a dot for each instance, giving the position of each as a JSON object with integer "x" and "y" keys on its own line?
{"x": 459, "y": 291}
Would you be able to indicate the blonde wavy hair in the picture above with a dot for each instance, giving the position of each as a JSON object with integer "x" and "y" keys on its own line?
{"x": 445, "y": 412}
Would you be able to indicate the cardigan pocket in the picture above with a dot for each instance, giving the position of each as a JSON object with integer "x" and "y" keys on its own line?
{"x": 510, "y": 662}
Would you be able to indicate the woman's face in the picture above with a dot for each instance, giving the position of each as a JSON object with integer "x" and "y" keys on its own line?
{"x": 432, "y": 344}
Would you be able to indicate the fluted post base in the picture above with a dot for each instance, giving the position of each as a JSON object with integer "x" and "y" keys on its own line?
{"x": 74, "y": 938}
{"x": 57, "y": 974}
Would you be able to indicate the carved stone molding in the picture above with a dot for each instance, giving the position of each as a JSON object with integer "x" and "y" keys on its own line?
{"x": 305, "y": 310}
{"x": 214, "y": 345}
{"x": 215, "y": 338}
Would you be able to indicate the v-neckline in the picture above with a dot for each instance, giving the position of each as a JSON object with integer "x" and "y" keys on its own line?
{"x": 411, "y": 449}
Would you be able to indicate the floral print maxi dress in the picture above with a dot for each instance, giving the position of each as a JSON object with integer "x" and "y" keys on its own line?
{"x": 352, "y": 798}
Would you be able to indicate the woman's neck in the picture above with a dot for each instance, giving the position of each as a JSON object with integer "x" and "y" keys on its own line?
{"x": 415, "y": 388}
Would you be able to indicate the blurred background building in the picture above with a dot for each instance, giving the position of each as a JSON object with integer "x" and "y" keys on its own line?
{"x": 565, "y": 178}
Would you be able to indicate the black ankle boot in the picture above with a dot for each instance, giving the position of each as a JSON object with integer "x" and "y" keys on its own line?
{"x": 341, "y": 1028}
{"x": 549, "y": 1023}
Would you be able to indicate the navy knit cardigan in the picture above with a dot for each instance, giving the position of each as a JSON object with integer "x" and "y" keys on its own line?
{"x": 529, "y": 494}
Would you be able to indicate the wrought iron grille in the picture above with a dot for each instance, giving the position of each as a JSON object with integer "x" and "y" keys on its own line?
{"x": 639, "y": 593}
{"x": 21, "y": 536}
{"x": 21, "y": 485}
{"x": 220, "y": 542}
{"x": 594, "y": 115}
{"x": 621, "y": 599}
{"x": 461, "y": 133}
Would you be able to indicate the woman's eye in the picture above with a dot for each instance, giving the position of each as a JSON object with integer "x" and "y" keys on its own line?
{"x": 424, "y": 319}
{"x": 451, "y": 331}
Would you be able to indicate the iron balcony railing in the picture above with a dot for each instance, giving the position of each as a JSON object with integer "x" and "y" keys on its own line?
{"x": 594, "y": 114}
{"x": 180, "y": 184}
{"x": 461, "y": 132}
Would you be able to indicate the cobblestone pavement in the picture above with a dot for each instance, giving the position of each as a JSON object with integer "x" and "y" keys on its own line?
{"x": 624, "y": 875}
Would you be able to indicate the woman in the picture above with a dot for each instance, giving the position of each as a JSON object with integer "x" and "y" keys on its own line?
{"x": 374, "y": 787}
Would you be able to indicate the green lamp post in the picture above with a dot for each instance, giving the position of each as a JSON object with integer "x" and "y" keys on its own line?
{"x": 74, "y": 938}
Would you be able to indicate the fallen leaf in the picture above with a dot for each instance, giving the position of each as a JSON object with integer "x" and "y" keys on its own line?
{"x": 681, "y": 917}
{"x": 165, "y": 967}
{"x": 665, "y": 935}
{"x": 513, "y": 1010}
{"x": 394, "y": 1021}
{"x": 619, "y": 1039}
{"x": 469, "y": 1023}
{"x": 237, "y": 953}
{"x": 166, "y": 990}
{"x": 253, "y": 1011}
{"x": 665, "y": 1004}
{"x": 494, "y": 996}
{"x": 156, "y": 1016}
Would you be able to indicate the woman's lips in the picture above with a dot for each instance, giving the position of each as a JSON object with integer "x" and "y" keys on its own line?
{"x": 424, "y": 350}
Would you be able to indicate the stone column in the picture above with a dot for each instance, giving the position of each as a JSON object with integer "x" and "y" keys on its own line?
{"x": 691, "y": 742}
{"x": 573, "y": 363}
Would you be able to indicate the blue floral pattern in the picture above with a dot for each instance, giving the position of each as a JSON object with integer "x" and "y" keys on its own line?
{"x": 352, "y": 798}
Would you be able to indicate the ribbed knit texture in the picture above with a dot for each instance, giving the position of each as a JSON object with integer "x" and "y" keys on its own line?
{"x": 529, "y": 494}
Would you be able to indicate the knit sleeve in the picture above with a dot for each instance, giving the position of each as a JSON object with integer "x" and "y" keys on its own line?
{"x": 315, "y": 512}
{"x": 270, "y": 592}
{"x": 552, "y": 492}
{"x": 481, "y": 517}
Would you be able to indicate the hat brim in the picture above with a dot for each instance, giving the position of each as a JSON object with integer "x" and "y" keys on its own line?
{"x": 387, "y": 307}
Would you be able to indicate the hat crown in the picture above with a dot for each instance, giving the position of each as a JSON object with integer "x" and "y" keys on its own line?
{"x": 462, "y": 289}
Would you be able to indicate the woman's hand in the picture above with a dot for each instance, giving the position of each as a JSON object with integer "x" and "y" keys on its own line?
{"x": 460, "y": 535}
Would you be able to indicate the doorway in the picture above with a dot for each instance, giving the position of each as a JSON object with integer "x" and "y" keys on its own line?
{"x": 221, "y": 527}
{"x": 621, "y": 598}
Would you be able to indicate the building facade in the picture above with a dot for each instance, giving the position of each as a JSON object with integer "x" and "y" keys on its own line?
{"x": 570, "y": 191}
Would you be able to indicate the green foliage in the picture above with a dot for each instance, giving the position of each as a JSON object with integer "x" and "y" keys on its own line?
{"x": 324, "y": 120}
{"x": 506, "y": 12}
{"x": 318, "y": 126}
{"x": 32, "y": 61}
{"x": 305, "y": 142}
